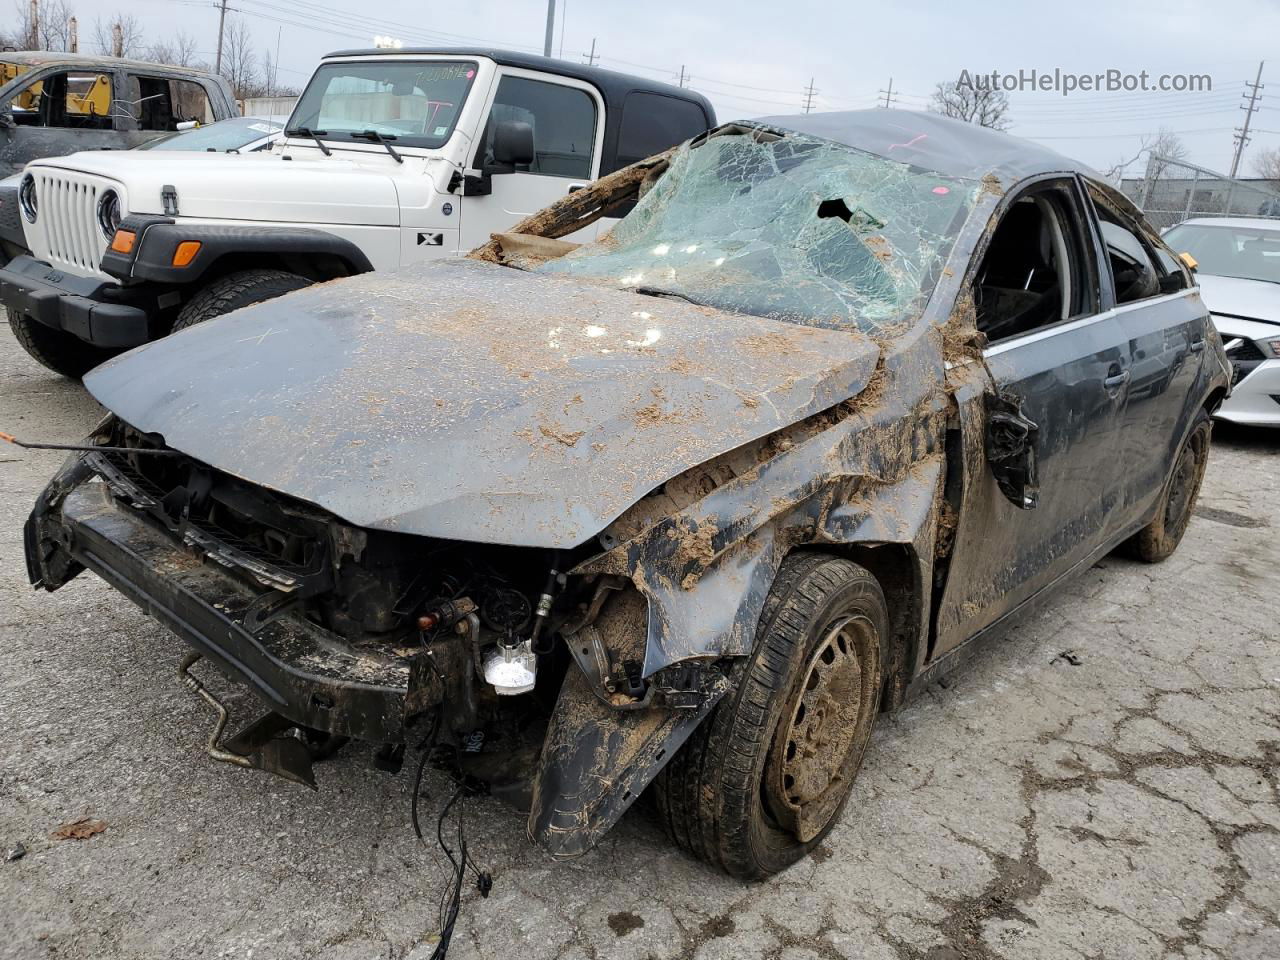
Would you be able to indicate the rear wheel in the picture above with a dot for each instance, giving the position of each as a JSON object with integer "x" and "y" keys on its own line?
{"x": 1158, "y": 539}
{"x": 55, "y": 349}
{"x": 764, "y": 778}
{"x": 236, "y": 290}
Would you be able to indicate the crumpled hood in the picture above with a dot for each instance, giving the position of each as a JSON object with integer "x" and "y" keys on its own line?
{"x": 1251, "y": 299}
{"x": 466, "y": 400}
{"x": 251, "y": 186}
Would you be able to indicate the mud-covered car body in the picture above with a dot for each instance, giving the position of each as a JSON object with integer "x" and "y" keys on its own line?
{"x": 612, "y": 449}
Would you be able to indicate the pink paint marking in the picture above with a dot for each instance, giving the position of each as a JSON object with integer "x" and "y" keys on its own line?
{"x": 941, "y": 191}
{"x": 910, "y": 143}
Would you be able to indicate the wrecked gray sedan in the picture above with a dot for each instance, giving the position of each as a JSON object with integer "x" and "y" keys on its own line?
{"x": 682, "y": 509}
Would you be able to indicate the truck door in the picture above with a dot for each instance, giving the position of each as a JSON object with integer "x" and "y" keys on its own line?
{"x": 56, "y": 113}
{"x": 1043, "y": 472}
{"x": 541, "y": 141}
{"x": 158, "y": 104}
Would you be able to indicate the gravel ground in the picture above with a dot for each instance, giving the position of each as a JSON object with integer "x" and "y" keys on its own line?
{"x": 1101, "y": 783}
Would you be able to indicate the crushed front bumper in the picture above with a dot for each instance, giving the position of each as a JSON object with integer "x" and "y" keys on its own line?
{"x": 1255, "y": 398}
{"x": 97, "y": 311}
{"x": 298, "y": 670}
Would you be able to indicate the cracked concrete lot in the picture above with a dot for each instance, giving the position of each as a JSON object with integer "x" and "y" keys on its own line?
{"x": 1101, "y": 783}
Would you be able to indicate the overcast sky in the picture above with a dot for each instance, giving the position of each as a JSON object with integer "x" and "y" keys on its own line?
{"x": 755, "y": 57}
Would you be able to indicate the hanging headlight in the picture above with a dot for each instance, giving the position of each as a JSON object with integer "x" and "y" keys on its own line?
{"x": 27, "y": 198}
{"x": 109, "y": 213}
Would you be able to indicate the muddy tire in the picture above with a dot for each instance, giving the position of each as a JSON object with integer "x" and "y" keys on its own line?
{"x": 237, "y": 290}
{"x": 58, "y": 351}
{"x": 764, "y": 778}
{"x": 1158, "y": 539}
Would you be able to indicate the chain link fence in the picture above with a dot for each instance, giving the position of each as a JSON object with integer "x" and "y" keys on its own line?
{"x": 1170, "y": 191}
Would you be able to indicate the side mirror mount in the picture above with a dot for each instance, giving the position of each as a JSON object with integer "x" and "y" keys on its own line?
{"x": 6, "y": 116}
{"x": 512, "y": 143}
{"x": 476, "y": 183}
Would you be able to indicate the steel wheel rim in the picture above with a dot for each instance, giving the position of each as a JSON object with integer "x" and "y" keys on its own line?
{"x": 817, "y": 737}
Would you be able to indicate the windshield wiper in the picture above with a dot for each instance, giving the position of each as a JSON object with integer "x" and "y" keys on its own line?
{"x": 375, "y": 137}
{"x": 314, "y": 135}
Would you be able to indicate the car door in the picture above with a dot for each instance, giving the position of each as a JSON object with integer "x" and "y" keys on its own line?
{"x": 1042, "y": 412}
{"x": 56, "y": 112}
{"x": 1166, "y": 325}
{"x": 567, "y": 121}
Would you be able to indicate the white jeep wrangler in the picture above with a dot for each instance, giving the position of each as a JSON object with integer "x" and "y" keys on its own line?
{"x": 390, "y": 157}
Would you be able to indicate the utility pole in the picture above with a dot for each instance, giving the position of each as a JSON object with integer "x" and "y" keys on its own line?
{"x": 682, "y": 75}
{"x": 564, "y": 15}
{"x": 33, "y": 26}
{"x": 222, "y": 19}
{"x": 809, "y": 93}
{"x": 73, "y": 35}
{"x": 592, "y": 57}
{"x": 1242, "y": 133}
{"x": 889, "y": 98}
{"x": 551, "y": 28}
{"x": 117, "y": 40}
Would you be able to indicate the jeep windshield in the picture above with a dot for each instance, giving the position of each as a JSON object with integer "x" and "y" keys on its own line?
{"x": 417, "y": 102}
{"x": 794, "y": 228}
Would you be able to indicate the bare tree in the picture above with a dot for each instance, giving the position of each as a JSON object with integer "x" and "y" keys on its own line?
{"x": 1266, "y": 163}
{"x": 131, "y": 36}
{"x": 178, "y": 52}
{"x": 51, "y": 30}
{"x": 973, "y": 103}
{"x": 239, "y": 61}
{"x": 1164, "y": 149}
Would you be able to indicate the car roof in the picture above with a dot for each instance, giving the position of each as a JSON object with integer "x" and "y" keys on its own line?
{"x": 612, "y": 86}
{"x": 45, "y": 58}
{"x": 1255, "y": 223}
{"x": 933, "y": 142}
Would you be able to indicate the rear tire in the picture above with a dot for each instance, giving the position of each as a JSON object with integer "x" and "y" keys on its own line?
{"x": 236, "y": 290}
{"x": 57, "y": 350}
{"x": 1158, "y": 539}
{"x": 763, "y": 780}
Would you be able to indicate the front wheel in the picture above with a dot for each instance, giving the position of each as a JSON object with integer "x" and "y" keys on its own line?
{"x": 57, "y": 350}
{"x": 764, "y": 778}
{"x": 236, "y": 290}
{"x": 1158, "y": 539}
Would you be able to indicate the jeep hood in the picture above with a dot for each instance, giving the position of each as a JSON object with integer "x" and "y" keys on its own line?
{"x": 254, "y": 186}
{"x": 471, "y": 401}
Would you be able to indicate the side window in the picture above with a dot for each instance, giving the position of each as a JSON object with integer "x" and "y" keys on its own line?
{"x": 563, "y": 121}
{"x": 163, "y": 103}
{"x": 1037, "y": 270}
{"x": 652, "y": 122}
{"x": 1140, "y": 266}
{"x": 77, "y": 101}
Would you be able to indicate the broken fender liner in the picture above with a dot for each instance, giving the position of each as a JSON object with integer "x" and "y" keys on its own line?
{"x": 596, "y": 761}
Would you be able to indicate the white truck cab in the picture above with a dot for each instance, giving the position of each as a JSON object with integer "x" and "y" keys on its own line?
{"x": 390, "y": 157}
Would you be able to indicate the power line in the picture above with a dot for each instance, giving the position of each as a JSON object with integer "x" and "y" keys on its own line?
{"x": 1242, "y": 133}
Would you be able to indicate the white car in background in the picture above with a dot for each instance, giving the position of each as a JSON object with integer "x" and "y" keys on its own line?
{"x": 234, "y": 135}
{"x": 1238, "y": 269}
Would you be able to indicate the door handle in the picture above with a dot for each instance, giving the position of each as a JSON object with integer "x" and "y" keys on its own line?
{"x": 1116, "y": 380}
{"x": 1197, "y": 345}
{"x": 575, "y": 187}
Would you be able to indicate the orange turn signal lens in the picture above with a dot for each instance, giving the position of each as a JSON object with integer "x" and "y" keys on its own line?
{"x": 123, "y": 241}
{"x": 186, "y": 252}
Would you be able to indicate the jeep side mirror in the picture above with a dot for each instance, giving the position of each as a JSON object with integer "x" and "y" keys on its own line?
{"x": 512, "y": 143}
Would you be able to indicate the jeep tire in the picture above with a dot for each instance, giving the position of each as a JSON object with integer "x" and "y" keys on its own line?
{"x": 56, "y": 350}
{"x": 236, "y": 290}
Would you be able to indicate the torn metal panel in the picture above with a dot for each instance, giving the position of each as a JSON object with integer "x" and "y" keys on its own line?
{"x": 461, "y": 399}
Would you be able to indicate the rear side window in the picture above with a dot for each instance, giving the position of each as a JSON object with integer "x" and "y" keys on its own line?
{"x": 652, "y": 122}
{"x": 563, "y": 121}
{"x": 1139, "y": 267}
{"x": 164, "y": 103}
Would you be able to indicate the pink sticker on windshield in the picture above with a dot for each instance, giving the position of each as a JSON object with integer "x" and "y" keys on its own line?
{"x": 941, "y": 190}
{"x": 470, "y": 74}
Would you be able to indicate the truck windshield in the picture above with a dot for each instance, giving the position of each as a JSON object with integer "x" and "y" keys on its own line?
{"x": 794, "y": 228}
{"x": 415, "y": 101}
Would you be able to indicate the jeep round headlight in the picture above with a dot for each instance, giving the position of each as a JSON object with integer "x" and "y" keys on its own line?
{"x": 27, "y": 198}
{"x": 109, "y": 213}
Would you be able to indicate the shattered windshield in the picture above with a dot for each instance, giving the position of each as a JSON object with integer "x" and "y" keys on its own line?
{"x": 797, "y": 229}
